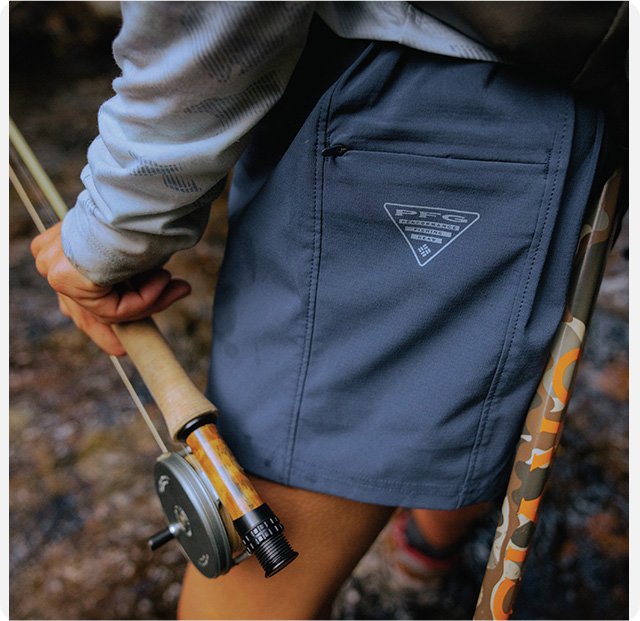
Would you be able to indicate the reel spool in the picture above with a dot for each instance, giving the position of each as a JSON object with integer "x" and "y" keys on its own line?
{"x": 195, "y": 516}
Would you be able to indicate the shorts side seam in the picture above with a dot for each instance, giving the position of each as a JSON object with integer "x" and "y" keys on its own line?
{"x": 321, "y": 129}
{"x": 312, "y": 289}
{"x": 510, "y": 334}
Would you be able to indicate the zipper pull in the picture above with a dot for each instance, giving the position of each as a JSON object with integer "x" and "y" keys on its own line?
{"x": 334, "y": 151}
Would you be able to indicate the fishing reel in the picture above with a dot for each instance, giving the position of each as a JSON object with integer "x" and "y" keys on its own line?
{"x": 212, "y": 509}
{"x": 195, "y": 515}
{"x": 209, "y": 502}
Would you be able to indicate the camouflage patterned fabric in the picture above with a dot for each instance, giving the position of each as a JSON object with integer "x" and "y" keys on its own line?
{"x": 543, "y": 424}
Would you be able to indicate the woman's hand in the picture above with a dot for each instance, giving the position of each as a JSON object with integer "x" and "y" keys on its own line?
{"x": 94, "y": 307}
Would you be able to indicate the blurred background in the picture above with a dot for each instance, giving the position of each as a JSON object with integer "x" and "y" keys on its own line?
{"x": 81, "y": 497}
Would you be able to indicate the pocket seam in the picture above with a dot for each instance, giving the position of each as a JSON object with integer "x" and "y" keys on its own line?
{"x": 444, "y": 157}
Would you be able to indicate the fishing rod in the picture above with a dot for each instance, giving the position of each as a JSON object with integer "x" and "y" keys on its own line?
{"x": 544, "y": 421}
{"x": 211, "y": 507}
{"x": 200, "y": 505}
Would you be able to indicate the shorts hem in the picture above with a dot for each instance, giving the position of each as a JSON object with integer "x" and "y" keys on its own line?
{"x": 375, "y": 491}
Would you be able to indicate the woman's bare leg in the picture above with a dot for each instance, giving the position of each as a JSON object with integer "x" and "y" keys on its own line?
{"x": 331, "y": 534}
{"x": 444, "y": 529}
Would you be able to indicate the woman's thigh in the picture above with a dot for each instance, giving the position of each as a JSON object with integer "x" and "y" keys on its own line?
{"x": 331, "y": 534}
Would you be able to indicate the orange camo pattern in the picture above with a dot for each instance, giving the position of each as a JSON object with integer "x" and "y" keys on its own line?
{"x": 236, "y": 492}
{"x": 543, "y": 423}
{"x": 559, "y": 371}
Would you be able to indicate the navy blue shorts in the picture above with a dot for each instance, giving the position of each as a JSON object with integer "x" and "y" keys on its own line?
{"x": 399, "y": 252}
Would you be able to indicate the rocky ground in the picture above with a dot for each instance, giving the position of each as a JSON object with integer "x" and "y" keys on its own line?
{"x": 81, "y": 495}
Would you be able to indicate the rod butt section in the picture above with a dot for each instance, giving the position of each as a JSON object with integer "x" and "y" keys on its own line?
{"x": 261, "y": 533}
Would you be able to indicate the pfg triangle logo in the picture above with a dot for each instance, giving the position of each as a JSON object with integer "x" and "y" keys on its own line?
{"x": 429, "y": 230}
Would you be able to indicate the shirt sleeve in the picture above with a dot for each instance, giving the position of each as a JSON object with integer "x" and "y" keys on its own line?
{"x": 196, "y": 78}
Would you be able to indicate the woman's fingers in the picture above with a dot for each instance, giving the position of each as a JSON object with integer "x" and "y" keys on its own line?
{"x": 152, "y": 293}
{"x": 100, "y": 333}
{"x": 93, "y": 307}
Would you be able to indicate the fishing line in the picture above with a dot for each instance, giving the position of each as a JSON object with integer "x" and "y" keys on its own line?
{"x": 35, "y": 177}
{"x": 24, "y": 197}
{"x": 48, "y": 217}
{"x": 39, "y": 175}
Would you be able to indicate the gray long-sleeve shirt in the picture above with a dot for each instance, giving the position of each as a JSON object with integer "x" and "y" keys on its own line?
{"x": 196, "y": 78}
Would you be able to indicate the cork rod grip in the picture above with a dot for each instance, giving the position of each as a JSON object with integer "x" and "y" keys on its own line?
{"x": 178, "y": 398}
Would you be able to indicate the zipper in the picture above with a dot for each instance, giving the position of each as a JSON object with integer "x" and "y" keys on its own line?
{"x": 336, "y": 150}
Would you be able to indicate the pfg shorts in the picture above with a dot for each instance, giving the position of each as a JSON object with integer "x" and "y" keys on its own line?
{"x": 400, "y": 243}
